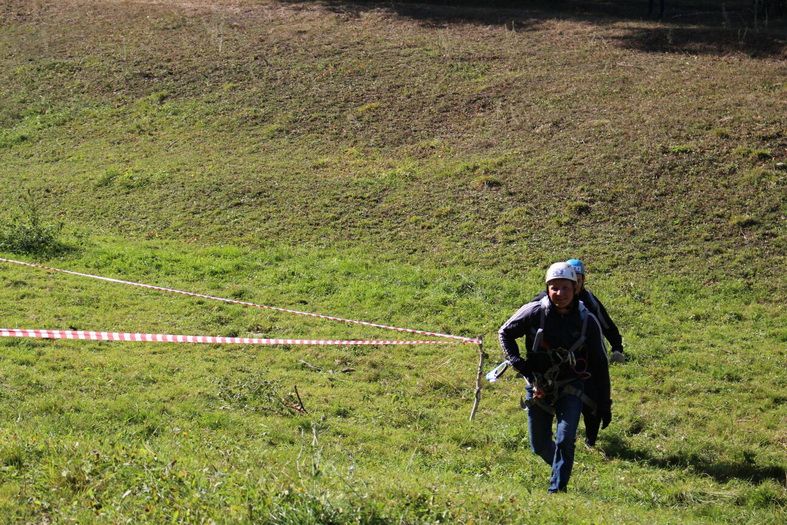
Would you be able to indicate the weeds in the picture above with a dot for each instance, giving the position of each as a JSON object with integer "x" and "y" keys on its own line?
{"x": 682, "y": 148}
{"x": 486, "y": 182}
{"x": 753, "y": 153}
{"x": 258, "y": 395}
{"x": 742, "y": 221}
{"x": 28, "y": 232}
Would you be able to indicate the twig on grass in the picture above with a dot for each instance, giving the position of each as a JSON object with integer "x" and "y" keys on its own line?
{"x": 291, "y": 405}
{"x": 300, "y": 402}
{"x": 310, "y": 366}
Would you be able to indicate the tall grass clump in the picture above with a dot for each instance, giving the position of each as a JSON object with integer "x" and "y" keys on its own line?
{"x": 27, "y": 232}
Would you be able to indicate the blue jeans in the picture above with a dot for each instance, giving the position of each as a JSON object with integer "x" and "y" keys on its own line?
{"x": 559, "y": 454}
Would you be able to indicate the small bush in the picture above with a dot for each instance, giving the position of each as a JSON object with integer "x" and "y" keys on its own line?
{"x": 761, "y": 154}
{"x": 754, "y": 154}
{"x": 486, "y": 182}
{"x": 577, "y": 208}
{"x": 761, "y": 177}
{"x": 12, "y": 456}
{"x": 28, "y": 233}
{"x": 107, "y": 178}
{"x": 271, "y": 130}
{"x": 160, "y": 96}
{"x": 8, "y": 140}
{"x": 681, "y": 148}
{"x": 743, "y": 221}
{"x": 743, "y": 151}
{"x": 766, "y": 495}
{"x": 366, "y": 108}
{"x": 131, "y": 180}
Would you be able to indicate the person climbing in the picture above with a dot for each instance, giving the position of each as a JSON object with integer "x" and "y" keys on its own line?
{"x": 612, "y": 334}
{"x": 564, "y": 351}
{"x": 608, "y": 327}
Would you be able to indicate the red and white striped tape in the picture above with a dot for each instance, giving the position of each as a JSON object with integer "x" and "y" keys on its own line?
{"x": 87, "y": 335}
{"x": 467, "y": 340}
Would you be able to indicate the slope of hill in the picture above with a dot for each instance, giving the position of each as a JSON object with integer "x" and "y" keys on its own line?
{"x": 411, "y": 165}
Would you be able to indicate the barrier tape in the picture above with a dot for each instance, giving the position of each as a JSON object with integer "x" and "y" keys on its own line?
{"x": 467, "y": 340}
{"x": 86, "y": 335}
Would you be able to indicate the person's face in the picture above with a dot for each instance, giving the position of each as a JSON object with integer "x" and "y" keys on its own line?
{"x": 561, "y": 293}
{"x": 580, "y": 281}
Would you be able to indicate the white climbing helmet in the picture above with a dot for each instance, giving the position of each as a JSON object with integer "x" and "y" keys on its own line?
{"x": 561, "y": 270}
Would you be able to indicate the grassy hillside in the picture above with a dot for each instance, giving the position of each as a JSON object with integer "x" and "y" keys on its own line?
{"x": 405, "y": 164}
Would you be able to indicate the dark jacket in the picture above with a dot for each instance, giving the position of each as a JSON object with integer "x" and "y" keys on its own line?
{"x": 559, "y": 331}
{"x": 608, "y": 327}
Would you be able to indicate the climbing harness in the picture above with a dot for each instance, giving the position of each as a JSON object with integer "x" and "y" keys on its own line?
{"x": 546, "y": 387}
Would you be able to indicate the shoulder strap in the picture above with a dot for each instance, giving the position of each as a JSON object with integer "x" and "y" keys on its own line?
{"x": 544, "y": 302}
{"x": 543, "y": 305}
{"x": 583, "y": 314}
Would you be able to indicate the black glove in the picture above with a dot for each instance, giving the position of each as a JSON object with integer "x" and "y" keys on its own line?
{"x": 520, "y": 365}
{"x": 535, "y": 362}
{"x": 605, "y": 413}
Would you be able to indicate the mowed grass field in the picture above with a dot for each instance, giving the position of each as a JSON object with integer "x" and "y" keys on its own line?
{"x": 405, "y": 164}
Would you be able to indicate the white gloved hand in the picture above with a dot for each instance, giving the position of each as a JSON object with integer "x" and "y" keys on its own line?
{"x": 618, "y": 357}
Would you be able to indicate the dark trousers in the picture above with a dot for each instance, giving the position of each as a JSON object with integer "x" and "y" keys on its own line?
{"x": 592, "y": 425}
{"x": 592, "y": 420}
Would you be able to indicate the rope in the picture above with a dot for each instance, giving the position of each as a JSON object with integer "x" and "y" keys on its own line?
{"x": 466, "y": 340}
{"x": 88, "y": 335}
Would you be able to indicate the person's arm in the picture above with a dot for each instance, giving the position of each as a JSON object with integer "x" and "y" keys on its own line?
{"x": 516, "y": 327}
{"x": 611, "y": 331}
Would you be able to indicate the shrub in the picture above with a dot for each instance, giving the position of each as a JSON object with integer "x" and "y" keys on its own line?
{"x": 486, "y": 182}
{"x": 761, "y": 154}
{"x": 761, "y": 177}
{"x": 743, "y": 221}
{"x": 27, "y": 232}
{"x": 754, "y": 154}
{"x": 681, "y": 148}
{"x": 366, "y": 108}
{"x": 107, "y": 178}
{"x": 577, "y": 208}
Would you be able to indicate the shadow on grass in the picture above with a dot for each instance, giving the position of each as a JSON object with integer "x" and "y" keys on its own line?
{"x": 688, "y": 26}
{"x": 49, "y": 251}
{"x": 748, "y": 470}
{"x": 705, "y": 41}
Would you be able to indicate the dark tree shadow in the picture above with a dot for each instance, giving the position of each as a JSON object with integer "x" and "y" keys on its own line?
{"x": 707, "y": 41}
{"x": 687, "y": 26}
{"x": 746, "y": 469}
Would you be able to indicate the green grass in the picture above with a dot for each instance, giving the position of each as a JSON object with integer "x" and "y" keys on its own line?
{"x": 413, "y": 172}
{"x": 196, "y": 430}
